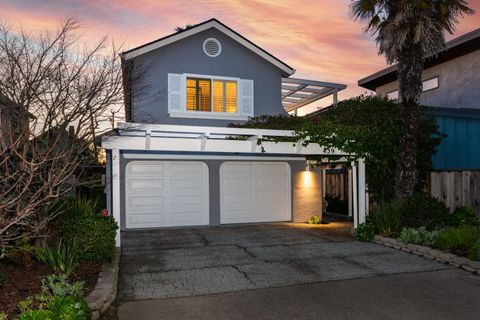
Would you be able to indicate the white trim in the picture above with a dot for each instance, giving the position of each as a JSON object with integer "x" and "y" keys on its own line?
{"x": 212, "y": 24}
{"x": 115, "y": 196}
{"x": 207, "y": 157}
{"x": 219, "y": 47}
{"x": 208, "y": 115}
{"x": 361, "y": 191}
{"x": 354, "y": 194}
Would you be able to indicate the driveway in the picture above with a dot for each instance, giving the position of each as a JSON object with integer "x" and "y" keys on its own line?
{"x": 172, "y": 263}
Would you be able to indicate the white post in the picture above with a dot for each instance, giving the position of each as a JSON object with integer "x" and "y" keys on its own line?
{"x": 350, "y": 193}
{"x": 324, "y": 183}
{"x": 354, "y": 194}
{"x": 116, "y": 191}
{"x": 361, "y": 191}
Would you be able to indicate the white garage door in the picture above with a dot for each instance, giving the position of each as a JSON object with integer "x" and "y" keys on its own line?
{"x": 166, "y": 194}
{"x": 255, "y": 192}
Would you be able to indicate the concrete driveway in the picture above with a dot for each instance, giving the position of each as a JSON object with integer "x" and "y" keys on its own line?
{"x": 172, "y": 263}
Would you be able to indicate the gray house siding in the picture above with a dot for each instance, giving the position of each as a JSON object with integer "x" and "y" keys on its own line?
{"x": 459, "y": 83}
{"x": 150, "y": 98}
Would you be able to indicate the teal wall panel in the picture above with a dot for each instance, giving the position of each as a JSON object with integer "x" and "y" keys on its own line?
{"x": 460, "y": 150}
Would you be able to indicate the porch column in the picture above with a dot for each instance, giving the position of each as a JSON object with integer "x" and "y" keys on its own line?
{"x": 116, "y": 191}
{"x": 350, "y": 192}
{"x": 354, "y": 194}
{"x": 361, "y": 191}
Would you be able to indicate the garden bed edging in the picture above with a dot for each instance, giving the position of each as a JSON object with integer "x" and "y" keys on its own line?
{"x": 105, "y": 291}
{"x": 430, "y": 253}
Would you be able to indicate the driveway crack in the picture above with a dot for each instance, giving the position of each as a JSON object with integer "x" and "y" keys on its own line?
{"x": 245, "y": 275}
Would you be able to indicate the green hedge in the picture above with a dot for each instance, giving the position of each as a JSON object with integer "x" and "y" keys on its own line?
{"x": 91, "y": 234}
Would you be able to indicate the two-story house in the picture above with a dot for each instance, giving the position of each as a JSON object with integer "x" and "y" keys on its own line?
{"x": 451, "y": 93}
{"x": 175, "y": 163}
{"x": 14, "y": 121}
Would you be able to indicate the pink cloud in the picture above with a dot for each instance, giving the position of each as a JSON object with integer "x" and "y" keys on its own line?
{"x": 318, "y": 38}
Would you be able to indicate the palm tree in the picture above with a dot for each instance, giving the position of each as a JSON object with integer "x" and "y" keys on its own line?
{"x": 407, "y": 32}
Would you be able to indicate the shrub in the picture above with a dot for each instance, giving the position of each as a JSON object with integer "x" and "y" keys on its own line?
{"x": 459, "y": 240}
{"x": 461, "y": 216}
{"x": 62, "y": 259}
{"x": 386, "y": 217}
{"x": 58, "y": 285}
{"x": 422, "y": 210}
{"x": 313, "y": 220}
{"x": 3, "y": 279}
{"x": 418, "y": 236}
{"x": 71, "y": 307}
{"x": 365, "y": 232}
{"x": 92, "y": 234}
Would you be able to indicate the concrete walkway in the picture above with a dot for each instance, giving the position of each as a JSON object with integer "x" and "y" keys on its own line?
{"x": 159, "y": 264}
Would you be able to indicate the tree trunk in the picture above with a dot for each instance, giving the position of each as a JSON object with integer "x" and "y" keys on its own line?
{"x": 410, "y": 69}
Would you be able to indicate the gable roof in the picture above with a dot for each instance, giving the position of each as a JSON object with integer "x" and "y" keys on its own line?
{"x": 455, "y": 48}
{"x": 212, "y": 23}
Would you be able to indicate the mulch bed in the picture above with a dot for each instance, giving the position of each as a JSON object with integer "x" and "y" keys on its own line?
{"x": 23, "y": 280}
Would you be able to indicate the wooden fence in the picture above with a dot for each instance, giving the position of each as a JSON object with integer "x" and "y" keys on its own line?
{"x": 456, "y": 188}
{"x": 336, "y": 183}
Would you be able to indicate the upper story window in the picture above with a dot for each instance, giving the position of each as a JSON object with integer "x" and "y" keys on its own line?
{"x": 427, "y": 85}
{"x": 202, "y": 96}
{"x": 430, "y": 84}
{"x": 211, "y": 95}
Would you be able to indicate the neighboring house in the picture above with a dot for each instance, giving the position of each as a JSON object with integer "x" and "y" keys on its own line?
{"x": 451, "y": 92}
{"x": 175, "y": 162}
{"x": 13, "y": 121}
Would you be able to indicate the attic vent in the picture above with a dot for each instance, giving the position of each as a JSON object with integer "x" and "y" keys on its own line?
{"x": 212, "y": 47}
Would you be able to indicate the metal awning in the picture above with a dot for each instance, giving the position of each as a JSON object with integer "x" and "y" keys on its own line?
{"x": 297, "y": 93}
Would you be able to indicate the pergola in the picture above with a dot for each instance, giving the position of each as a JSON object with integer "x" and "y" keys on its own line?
{"x": 297, "y": 93}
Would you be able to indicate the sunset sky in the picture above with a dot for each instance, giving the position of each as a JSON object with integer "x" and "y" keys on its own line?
{"x": 318, "y": 38}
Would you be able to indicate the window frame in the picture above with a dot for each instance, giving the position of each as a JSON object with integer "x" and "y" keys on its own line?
{"x": 431, "y": 78}
{"x": 210, "y": 114}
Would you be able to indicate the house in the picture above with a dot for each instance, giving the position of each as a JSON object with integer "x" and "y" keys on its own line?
{"x": 451, "y": 94}
{"x": 176, "y": 163}
{"x": 14, "y": 122}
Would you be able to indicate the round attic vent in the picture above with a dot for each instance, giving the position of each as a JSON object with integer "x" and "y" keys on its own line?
{"x": 212, "y": 47}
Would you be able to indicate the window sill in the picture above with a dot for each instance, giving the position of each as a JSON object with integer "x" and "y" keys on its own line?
{"x": 208, "y": 115}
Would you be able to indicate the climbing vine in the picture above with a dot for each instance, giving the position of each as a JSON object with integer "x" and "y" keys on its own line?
{"x": 367, "y": 126}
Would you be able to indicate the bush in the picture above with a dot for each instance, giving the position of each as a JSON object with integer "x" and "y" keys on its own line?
{"x": 461, "y": 216}
{"x": 71, "y": 307}
{"x": 62, "y": 259}
{"x": 422, "y": 210}
{"x": 92, "y": 234}
{"x": 386, "y": 217}
{"x": 462, "y": 241}
{"x": 365, "y": 232}
{"x": 58, "y": 285}
{"x": 313, "y": 220}
{"x": 418, "y": 236}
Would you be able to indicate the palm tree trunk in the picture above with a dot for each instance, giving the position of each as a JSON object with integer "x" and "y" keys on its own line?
{"x": 410, "y": 68}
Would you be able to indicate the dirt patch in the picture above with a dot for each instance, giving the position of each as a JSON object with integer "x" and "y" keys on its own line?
{"x": 23, "y": 281}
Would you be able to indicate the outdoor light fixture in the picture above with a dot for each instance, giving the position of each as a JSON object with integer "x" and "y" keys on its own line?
{"x": 307, "y": 168}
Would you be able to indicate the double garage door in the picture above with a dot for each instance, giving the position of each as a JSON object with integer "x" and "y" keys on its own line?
{"x": 176, "y": 193}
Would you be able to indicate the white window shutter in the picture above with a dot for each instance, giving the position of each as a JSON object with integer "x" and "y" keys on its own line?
{"x": 175, "y": 92}
{"x": 246, "y": 97}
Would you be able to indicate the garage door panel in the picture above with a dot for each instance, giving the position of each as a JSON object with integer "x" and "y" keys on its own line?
{"x": 140, "y": 186}
{"x": 145, "y": 220}
{"x": 179, "y": 185}
{"x": 255, "y": 192}
{"x": 175, "y": 194}
{"x": 146, "y": 201}
{"x": 146, "y": 168}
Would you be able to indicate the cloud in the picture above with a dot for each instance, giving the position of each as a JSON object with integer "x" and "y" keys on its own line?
{"x": 318, "y": 38}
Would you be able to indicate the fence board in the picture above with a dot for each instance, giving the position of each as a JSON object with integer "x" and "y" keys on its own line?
{"x": 457, "y": 188}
